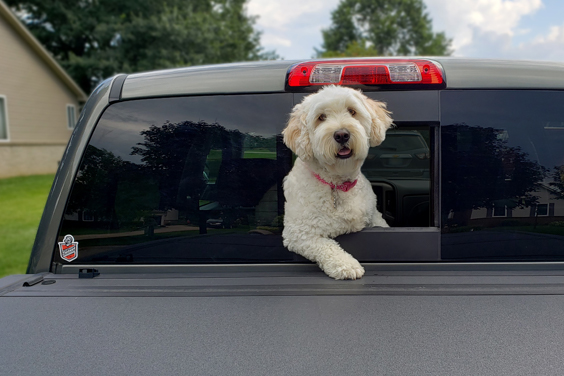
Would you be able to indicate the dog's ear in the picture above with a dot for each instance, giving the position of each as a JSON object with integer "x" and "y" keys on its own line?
{"x": 381, "y": 121}
{"x": 295, "y": 134}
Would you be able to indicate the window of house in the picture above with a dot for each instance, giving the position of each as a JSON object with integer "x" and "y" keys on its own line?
{"x": 542, "y": 210}
{"x": 502, "y": 175}
{"x": 71, "y": 117}
{"x": 87, "y": 216}
{"x": 3, "y": 119}
{"x": 499, "y": 211}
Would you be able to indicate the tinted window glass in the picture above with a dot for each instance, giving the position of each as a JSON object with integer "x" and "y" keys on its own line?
{"x": 199, "y": 180}
{"x": 502, "y": 175}
{"x": 400, "y": 170}
{"x": 183, "y": 180}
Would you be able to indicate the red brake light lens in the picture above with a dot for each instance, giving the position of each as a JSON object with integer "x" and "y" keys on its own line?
{"x": 365, "y": 72}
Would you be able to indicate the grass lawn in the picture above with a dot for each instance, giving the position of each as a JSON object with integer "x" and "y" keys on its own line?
{"x": 21, "y": 204}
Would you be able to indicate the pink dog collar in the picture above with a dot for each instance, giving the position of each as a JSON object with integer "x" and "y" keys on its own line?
{"x": 345, "y": 187}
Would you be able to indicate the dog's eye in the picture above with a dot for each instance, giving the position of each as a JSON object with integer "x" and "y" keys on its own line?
{"x": 322, "y": 117}
{"x": 352, "y": 111}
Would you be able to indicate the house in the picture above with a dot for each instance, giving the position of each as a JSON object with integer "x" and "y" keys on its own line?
{"x": 548, "y": 209}
{"x": 39, "y": 102}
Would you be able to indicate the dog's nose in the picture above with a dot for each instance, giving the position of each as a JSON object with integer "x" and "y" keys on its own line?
{"x": 342, "y": 136}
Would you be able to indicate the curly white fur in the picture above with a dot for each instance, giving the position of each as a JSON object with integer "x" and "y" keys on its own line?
{"x": 314, "y": 212}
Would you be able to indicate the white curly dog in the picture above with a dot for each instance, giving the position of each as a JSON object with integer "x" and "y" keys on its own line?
{"x": 331, "y": 132}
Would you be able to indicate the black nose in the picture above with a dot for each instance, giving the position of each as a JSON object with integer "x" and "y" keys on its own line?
{"x": 342, "y": 136}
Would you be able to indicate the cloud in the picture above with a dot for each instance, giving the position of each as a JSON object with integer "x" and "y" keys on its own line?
{"x": 275, "y": 40}
{"x": 486, "y": 44}
{"x": 489, "y": 44}
{"x": 292, "y": 27}
{"x": 547, "y": 47}
{"x": 478, "y": 28}
{"x": 491, "y": 29}
{"x": 467, "y": 20}
{"x": 281, "y": 14}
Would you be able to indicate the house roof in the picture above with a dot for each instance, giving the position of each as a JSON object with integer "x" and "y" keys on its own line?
{"x": 25, "y": 34}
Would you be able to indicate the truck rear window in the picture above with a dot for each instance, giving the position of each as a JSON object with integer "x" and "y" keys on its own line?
{"x": 199, "y": 180}
{"x": 502, "y": 175}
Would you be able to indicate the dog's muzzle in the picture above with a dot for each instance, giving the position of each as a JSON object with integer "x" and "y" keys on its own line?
{"x": 342, "y": 137}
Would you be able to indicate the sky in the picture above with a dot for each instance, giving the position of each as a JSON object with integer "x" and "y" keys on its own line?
{"x": 497, "y": 29}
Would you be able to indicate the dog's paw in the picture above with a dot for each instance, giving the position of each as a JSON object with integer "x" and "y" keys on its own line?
{"x": 346, "y": 267}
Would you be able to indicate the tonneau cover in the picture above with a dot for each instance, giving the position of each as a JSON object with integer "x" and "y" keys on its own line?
{"x": 299, "y": 323}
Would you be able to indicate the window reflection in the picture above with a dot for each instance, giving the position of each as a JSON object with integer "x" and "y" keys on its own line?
{"x": 192, "y": 177}
{"x": 481, "y": 171}
{"x": 502, "y": 192}
{"x": 199, "y": 180}
{"x": 179, "y": 183}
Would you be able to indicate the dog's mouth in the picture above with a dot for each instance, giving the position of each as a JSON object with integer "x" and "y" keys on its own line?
{"x": 344, "y": 153}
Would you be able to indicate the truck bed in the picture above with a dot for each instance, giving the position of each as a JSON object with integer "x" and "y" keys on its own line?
{"x": 438, "y": 320}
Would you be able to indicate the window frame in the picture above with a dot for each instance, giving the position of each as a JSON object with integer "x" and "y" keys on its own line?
{"x": 537, "y": 210}
{"x": 71, "y": 125}
{"x": 505, "y": 212}
{"x": 418, "y": 108}
{"x": 463, "y": 240}
{"x": 4, "y": 117}
{"x": 404, "y": 244}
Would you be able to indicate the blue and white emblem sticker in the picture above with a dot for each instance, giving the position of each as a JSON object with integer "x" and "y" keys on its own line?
{"x": 68, "y": 248}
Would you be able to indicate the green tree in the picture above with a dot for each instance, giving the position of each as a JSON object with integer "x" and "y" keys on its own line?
{"x": 354, "y": 49}
{"x": 94, "y": 39}
{"x": 382, "y": 27}
{"x": 557, "y": 183}
{"x": 96, "y": 183}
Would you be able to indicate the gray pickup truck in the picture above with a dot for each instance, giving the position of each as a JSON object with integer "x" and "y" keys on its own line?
{"x": 160, "y": 248}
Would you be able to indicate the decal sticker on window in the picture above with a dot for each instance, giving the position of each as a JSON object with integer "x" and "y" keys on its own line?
{"x": 68, "y": 248}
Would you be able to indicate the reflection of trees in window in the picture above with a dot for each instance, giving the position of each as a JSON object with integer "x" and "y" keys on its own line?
{"x": 481, "y": 171}
{"x": 557, "y": 183}
{"x": 257, "y": 146}
{"x": 175, "y": 155}
{"x": 177, "y": 161}
{"x": 204, "y": 169}
{"x": 111, "y": 190}
{"x": 95, "y": 183}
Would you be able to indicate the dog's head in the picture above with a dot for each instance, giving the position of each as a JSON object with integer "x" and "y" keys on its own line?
{"x": 336, "y": 125}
